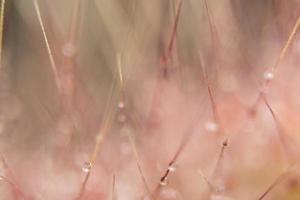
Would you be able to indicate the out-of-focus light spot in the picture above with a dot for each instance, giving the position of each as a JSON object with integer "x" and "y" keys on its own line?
{"x": 68, "y": 50}
{"x": 121, "y": 105}
{"x": 268, "y": 76}
{"x": 211, "y": 126}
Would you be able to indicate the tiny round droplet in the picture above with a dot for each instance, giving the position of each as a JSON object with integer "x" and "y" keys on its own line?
{"x": 172, "y": 168}
{"x": 268, "y": 76}
{"x": 121, "y": 105}
{"x": 211, "y": 126}
{"x": 87, "y": 166}
{"x": 163, "y": 182}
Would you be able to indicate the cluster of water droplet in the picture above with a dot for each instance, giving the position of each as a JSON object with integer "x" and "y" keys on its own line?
{"x": 121, "y": 114}
{"x": 121, "y": 117}
{"x": 124, "y": 148}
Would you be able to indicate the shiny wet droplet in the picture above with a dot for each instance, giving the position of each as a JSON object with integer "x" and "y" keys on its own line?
{"x": 172, "y": 168}
{"x": 163, "y": 182}
{"x": 268, "y": 76}
{"x": 121, "y": 105}
{"x": 87, "y": 166}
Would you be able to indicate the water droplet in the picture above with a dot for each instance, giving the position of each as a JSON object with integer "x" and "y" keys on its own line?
{"x": 268, "y": 76}
{"x": 87, "y": 166}
{"x": 163, "y": 182}
{"x": 121, "y": 105}
{"x": 172, "y": 168}
{"x": 212, "y": 126}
